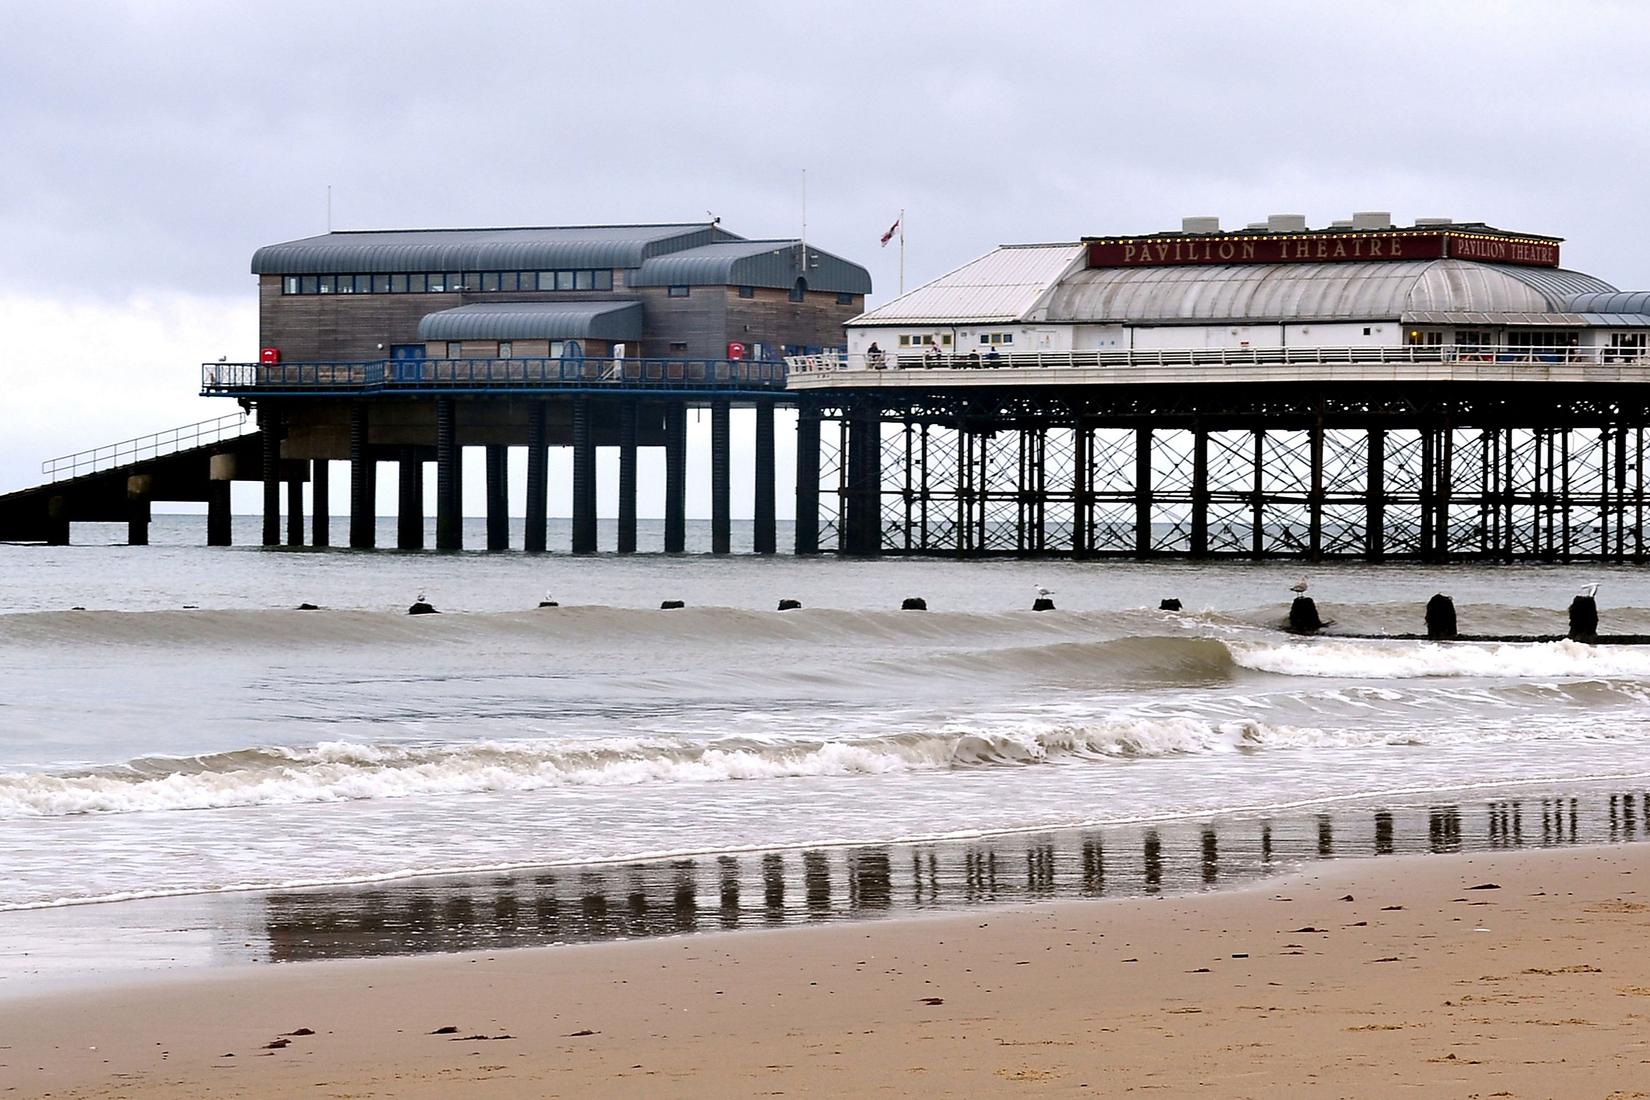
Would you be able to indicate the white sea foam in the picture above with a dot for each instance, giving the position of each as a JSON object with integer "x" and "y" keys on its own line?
{"x": 1380, "y": 660}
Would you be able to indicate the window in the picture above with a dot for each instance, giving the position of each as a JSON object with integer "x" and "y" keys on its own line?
{"x": 505, "y": 349}
{"x": 310, "y": 284}
{"x": 678, "y": 291}
{"x": 455, "y": 350}
{"x": 917, "y": 341}
{"x": 547, "y": 280}
{"x": 603, "y": 279}
{"x": 583, "y": 280}
{"x": 799, "y": 291}
{"x": 380, "y": 284}
{"x": 489, "y": 280}
{"x": 993, "y": 338}
{"x": 416, "y": 283}
{"x": 747, "y": 292}
{"x": 557, "y": 348}
{"x": 398, "y": 284}
{"x": 564, "y": 280}
{"x": 455, "y": 280}
{"x": 507, "y": 280}
{"x": 946, "y": 340}
{"x": 289, "y": 285}
{"x": 844, "y": 299}
{"x": 472, "y": 281}
{"x": 437, "y": 283}
{"x": 325, "y": 286}
{"x": 363, "y": 284}
{"x": 678, "y": 346}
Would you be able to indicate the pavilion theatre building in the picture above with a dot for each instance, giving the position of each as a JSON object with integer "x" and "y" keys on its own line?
{"x": 405, "y": 346}
{"x": 1368, "y": 389}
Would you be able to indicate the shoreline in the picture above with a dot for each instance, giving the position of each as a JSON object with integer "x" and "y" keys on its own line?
{"x": 1350, "y": 977}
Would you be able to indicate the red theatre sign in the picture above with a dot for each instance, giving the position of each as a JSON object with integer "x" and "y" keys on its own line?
{"x": 1318, "y": 248}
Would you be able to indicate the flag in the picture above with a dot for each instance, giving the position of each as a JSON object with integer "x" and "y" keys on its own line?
{"x": 888, "y": 236}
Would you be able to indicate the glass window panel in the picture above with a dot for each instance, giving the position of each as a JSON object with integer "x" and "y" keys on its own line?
{"x": 584, "y": 280}
{"x": 380, "y": 284}
{"x": 564, "y": 280}
{"x": 363, "y": 284}
{"x": 325, "y": 285}
{"x": 678, "y": 292}
{"x": 417, "y": 283}
{"x": 289, "y": 285}
{"x": 844, "y": 299}
{"x": 747, "y": 292}
{"x": 472, "y": 281}
{"x": 547, "y": 280}
{"x": 455, "y": 280}
{"x": 604, "y": 280}
{"x": 455, "y": 350}
{"x": 309, "y": 284}
{"x": 507, "y": 280}
{"x": 489, "y": 280}
{"x": 437, "y": 282}
{"x": 398, "y": 284}
{"x": 505, "y": 349}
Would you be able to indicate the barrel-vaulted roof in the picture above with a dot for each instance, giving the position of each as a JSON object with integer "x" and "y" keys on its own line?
{"x": 521, "y": 249}
{"x": 1201, "y": 294}
{"x": 773, "y": 264}
{"x": 1011, "y": 283}
{"x": 535, "y": 321}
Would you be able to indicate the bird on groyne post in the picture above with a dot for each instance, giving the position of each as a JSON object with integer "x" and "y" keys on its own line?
{"x": 1299, "y": 586}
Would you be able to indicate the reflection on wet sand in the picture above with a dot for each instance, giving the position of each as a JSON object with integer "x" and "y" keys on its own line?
{"x": 584, "y": 904}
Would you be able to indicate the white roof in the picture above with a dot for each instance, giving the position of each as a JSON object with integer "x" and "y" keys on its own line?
{"x": 1009, "y": 284}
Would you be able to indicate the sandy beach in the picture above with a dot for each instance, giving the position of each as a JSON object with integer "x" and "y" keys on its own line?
{"x": 1519, "y": 974}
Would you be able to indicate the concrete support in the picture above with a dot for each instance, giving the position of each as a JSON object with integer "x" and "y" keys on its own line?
{"x": 219, "y": 527}
{"x": 675, "y": 477}
{"x": 498, "y": 497}
{"x": 584, "y": 478}
{"x": 807, "y": 479}
{"x": 449, "y": 478}
{"x": 269, "y": 424}
{"x": 535, "y": 539}
{"x": 320, "y": 503}
{"x": 720, "y": 490}
{"x": 409, "y": 510}
{"x": 139, "y": 487}
{"x": 628, "y": 413}
{"x": 57, "y": 521}
{"x": 766, "y": 536}
{"x": 294, "y": 512}
{"x": 1142, "y": 492}
{"x": 362, "y": 495}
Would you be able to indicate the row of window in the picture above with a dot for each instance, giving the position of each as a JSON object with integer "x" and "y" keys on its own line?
{"x": 448, "y": 282}
{"x": 990, "y": 339}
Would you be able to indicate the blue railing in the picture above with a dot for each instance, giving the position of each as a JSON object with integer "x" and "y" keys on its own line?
{"x": 493, "y": 374}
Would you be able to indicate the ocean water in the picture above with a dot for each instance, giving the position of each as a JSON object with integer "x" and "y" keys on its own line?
{"x": 190, "y": 734}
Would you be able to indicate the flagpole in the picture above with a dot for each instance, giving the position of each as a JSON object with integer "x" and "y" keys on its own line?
{"x": 902, "y": 250}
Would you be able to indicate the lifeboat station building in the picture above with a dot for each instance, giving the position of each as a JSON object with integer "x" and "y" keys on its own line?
{"x": 406, "y": 346}
{"x": 1370, "y": 389}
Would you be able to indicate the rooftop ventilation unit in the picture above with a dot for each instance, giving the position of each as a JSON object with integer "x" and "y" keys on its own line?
{"x": 1258, "y": 225}
{"x": 1341, "y": 223}
{"x": 1434, "y": 221}
{"x": 1286, "y": 223}
{"x": 1200, "y": 225}
{"x": 1372, "y": 219}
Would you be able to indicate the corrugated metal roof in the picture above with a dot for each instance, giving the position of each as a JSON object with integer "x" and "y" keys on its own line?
{"x": 523, "y": 249}
{"x": 1617, "y": 301}
{"x": 1011, "y": 283}
{"x": 1310, "y": 292}
{"x": 535, "y": 321}
{"x": 776, "y": 264}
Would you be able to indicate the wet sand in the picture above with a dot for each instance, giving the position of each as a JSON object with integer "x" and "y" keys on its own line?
{"x": 1359, "y": 978}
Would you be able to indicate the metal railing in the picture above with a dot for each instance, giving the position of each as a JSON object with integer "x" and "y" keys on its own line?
{"x": 436, "y": 374}
{"x": 832, "y": 362}
{"x": 128, "y": 451}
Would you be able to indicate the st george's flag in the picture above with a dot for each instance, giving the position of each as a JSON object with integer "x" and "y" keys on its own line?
{"x": 892, "y": 229}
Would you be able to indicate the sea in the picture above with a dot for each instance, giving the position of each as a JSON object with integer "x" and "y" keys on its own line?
{"x": 195, "y": 772}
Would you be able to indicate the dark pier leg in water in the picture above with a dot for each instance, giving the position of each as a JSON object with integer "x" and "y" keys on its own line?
{"x": 628, "y": 413}
{"x": 1200, "y": 492}
{"x": 675, "y": 477}
{"x": 1257, "y": 505}
{"x": 1446, "y": 473}
{"x": 269, "y": 424}
{"x": 362, "y": 503}
{"x": 57, "y": 521}
{"x": 138, "y": 488}
{"x": 1082, "y": 489}
{"x": 1142, "y": 492}
{"x": 219, "y": 528}
{"x": 536, "y": 539}
{"x": 409, "y": 511}
{"x": 807, "y": 480}
{"x": 498, "y": 501}
{"x": 1429, "y": 480}
{"x": 720, "y": 490}
{"x": 1314, "y": 501}
{"x": 449, "y": 478}
{"x": 862, "y": 509}
{"x": 766, "y": 536}
{"x": 584, "y": 478}
{"x": 320, "y": 503}
{"x": 294, "y": 512}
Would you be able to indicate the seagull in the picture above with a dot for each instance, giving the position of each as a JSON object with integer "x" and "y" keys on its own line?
{"x": 1044, "y": 592}
{"x": 1299, "y": 586}
{"x": 421, "y": 598}
{"x": 1590, "y": 590}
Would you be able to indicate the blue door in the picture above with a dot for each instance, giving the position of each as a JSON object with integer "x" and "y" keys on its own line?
{"x": 408, "y": 361}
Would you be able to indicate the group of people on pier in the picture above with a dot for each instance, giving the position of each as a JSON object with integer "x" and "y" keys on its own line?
{"x": 933, "y": 356}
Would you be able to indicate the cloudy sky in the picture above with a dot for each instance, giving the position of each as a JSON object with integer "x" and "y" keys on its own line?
{"x": 153, "y": 146}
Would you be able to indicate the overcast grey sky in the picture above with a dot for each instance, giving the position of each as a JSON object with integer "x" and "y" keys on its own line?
{"x": 151, "y": 147}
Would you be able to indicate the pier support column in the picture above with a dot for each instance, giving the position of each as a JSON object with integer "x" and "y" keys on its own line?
{"x": 1375, "y": 497}
{"x": 1200, "y": 491}
{"x": 807, "y": 479}
{"x": 294, "y": 512}
{"x": 57, "y": 521}
{"x": 219, "y": 527}
{"x": 1142, "y": 492}
{"x": 449, "y": 478}
{"x": 269, "y": 425}
{"x": 628, "y": 414}
{"x": 498, "y": 499}
{"x": 1443, "y": 491}
{"x": 320, "y": 503}
{"x": 409, "y": 507}
{"x": 535, "y": 539}
{"x": 362, "y": 495}
{"x": 1257, "y": 499}
{"x": 138, "y": 490}
{"x": 720, "y": 490}
{"x": 675, "y": 477}
{"x": 862, "y": 510}
{"x": 765, "y": 540}
{"x": 1314, "y": 500}
{"x": 584, "y": 478}
{"x": 1429, "y": 442}
{"x": 1082, "y": 489}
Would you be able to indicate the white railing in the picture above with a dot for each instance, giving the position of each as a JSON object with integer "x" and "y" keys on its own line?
{"x": 128, "y": 451}
{"x": 833, "y": 362}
